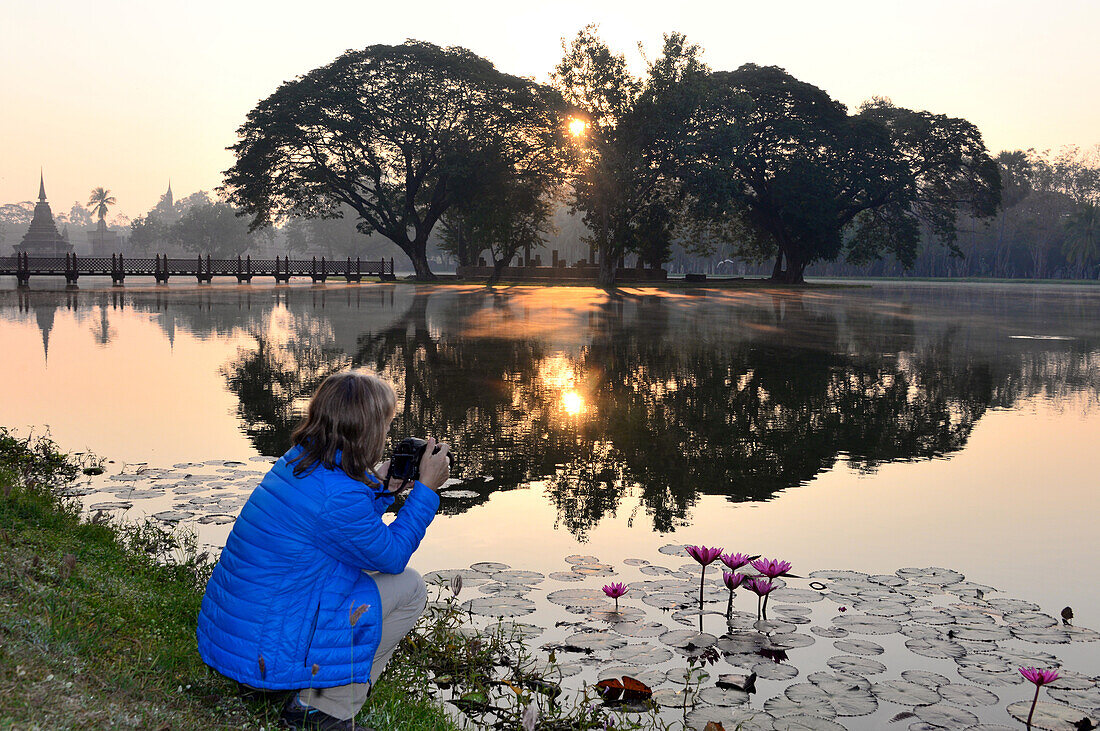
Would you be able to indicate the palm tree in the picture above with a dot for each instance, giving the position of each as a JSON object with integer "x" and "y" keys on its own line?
{"x": 100, "y": 199}
{"x": 1082, "y": 244}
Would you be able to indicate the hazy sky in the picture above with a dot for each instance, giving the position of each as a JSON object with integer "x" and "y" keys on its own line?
{"x": 126, "y": 93}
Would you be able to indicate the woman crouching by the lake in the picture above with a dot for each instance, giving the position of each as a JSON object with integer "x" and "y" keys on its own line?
{"x": 312, "y": 592}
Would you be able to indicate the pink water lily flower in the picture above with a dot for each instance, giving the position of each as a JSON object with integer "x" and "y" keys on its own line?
{"x": 736, "y": 560}
{"x": 1040, "y": 677}
{"x": 703, "y": 555}
{"x": 760, "y": 587}
{"x": 732, "y": 580}
{"x": 772, "y": 568}
{"x": 615, "y": 590}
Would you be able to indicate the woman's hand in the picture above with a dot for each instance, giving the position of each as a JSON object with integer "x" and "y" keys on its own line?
{"x": 435, "y": 467}
{"x": 384, "y": 469}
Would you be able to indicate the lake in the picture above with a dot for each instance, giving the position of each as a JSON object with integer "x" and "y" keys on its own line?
{"x": 865, "y": 428}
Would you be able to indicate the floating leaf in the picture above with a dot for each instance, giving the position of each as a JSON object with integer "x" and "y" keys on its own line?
{"x": 489, "y": 567}
{"x": 687, "y": 639}
{"x": 810, "y": 705}
{"x": 622, "y": 615}
{"x": 722, "y": 696}
{"x": 499, "y": 606}
{"x": 579, "y": 598}
{"x": 517, "y": 576}
{"x": 565, "y": 576}
{"x": 855, "y": 664}
{"x": 649, "y": 676}
{"x": 731, "y": 718}
{"x": 859, "y": 647}
{"x": 905, "y": 693}
{"x": 967, "y": 695}
{"x": 805, "y": 723}
{"x": 769, "y": 670}
{"x": 459, "y": 494}
{"x": 862, "y": 625}
{"x": 935, "y": 648}
{"x": 941, "y": 714}
{"x": 470, "y": 577}
{"x": 924, "y": 677}
{"x": 639, "y": 628}
{"x": 829, "y": 631}
{"x": 579, "y": 559}
{"x": 641, "y": 654}
{"x": 217, "y": 519}
{"x": 592, "y": 642}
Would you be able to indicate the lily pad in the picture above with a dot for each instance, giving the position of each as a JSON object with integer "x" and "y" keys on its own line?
{"x": 217, "y": 519}
{"x": 172, "y": 516}
{"x": 859, "y": 647}
{"x": 470, "y": 577}
{"x": 805, "y": 723}
{"x": 489, "y": 567}
{"x": 499, "y": 606}
{"x": 924, "y": 677}
{"x": 579, "y": 559}
{"x": 579, "y": 598}
{"x": 594, "y": 569}
{"x": 517, "y": 576}
{"x": 829, "y": 631}
{"x": 967, "y": 695}
{"x": 592, "y": 642}
{"x": 943, "y": 715}
{"x": 565, "y": 576}
{"x": 905, "y": 693}
{"x": 856, "y": 665}
{"x": 768, "y": 670}
{"x": 641, "y": 654}
{"x": 639, "y": 628}
{"x": 1048, "y": 716}
{"x": 716, "y": 696}
{"x": 731, "y": 717}
{"x": 459, "y": 494}
{"x": 111, "y": 505}
{"x": 935, "y": 648}
{"x": 864, "y": 625}
{"x": 809, "y": 705}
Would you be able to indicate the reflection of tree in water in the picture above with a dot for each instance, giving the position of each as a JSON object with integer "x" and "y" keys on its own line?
{"x": 657, "y": 410}
{"x": 274, "y": 381}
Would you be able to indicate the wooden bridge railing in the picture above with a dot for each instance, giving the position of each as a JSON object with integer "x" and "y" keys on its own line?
{"x": 161, "y": 267}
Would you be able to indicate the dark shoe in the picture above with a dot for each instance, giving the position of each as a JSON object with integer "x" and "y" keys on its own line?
{"x": 296, "y": 715}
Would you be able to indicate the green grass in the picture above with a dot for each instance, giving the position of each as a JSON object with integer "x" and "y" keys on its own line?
{"x": 97, "y": 620}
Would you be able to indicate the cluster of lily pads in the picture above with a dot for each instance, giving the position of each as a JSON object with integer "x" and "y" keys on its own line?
{"x": 668, "y": 643}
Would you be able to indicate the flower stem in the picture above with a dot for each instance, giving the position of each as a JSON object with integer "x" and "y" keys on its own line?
{"x": 764, "y": 611}
{"x": 701, "y": 576}
{"x": 729, "y": 609}
{"x": 1034, "y": 702}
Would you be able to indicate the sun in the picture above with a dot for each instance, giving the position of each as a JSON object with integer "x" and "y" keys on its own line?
{"x": 577, "y": 127}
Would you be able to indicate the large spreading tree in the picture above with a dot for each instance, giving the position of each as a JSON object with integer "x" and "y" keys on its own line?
{"x": 811, "y": 182}
{"x": 625, "y": 182}
{"x": 397, "y": 133}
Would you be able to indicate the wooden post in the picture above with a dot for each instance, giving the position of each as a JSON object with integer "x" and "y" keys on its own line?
{"x": 555, "y": 258}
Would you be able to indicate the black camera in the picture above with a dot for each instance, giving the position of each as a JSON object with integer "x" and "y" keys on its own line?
{"x": 405, "y": 463}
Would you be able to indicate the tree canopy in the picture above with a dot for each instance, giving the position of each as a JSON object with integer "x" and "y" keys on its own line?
{"x": 397, "y": 133}
{"x": 812, "y": 182}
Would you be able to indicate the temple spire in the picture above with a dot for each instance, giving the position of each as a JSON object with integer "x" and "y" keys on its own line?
{"x": 41, "y": 187}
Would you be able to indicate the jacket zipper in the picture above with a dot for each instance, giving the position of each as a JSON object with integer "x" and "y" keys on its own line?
{"x": 312, "y": 630}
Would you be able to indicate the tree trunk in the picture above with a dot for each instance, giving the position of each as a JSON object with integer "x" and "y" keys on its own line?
{"x": 777, "y": 270}
{"x": 498, "y": 270}
{"x": 417, "y": 252}
{"x": 608, "y": 262}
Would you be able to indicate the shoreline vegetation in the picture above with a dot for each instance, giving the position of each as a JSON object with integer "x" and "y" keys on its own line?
{"x": 97, "y": 620}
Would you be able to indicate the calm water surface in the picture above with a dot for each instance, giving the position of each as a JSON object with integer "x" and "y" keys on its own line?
{"x": 864, "y": 428}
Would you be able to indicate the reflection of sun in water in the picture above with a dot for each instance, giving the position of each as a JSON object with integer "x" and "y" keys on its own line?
{"x": 558, "y": 374}
{"x": 572, "y": 403}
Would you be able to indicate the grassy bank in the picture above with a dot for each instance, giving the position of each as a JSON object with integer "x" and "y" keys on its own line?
{"x": 97, "y": 620}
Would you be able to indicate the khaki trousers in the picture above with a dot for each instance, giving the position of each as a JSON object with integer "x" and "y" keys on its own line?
{"x": 404, "y": 597}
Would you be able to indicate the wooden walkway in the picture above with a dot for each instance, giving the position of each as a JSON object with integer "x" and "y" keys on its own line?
{"x": 117, "y": 267}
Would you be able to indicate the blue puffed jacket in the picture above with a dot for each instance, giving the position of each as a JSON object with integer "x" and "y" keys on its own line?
{"x": 280, "y": 610}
